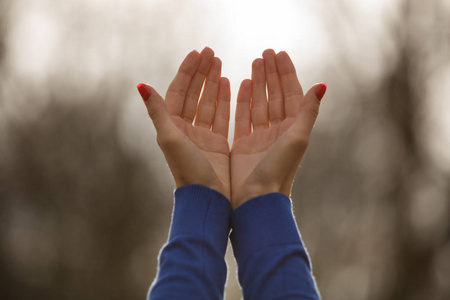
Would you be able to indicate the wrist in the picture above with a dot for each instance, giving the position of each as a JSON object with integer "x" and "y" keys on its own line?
{"x": 249, "y": 193}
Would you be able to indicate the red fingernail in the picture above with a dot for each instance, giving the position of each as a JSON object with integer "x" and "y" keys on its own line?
{"x": 144, "y": 91}
{"x": 320, "y": 91}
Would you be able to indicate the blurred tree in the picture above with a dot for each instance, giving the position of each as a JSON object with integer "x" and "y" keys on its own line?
{"x": 78, "y": 212}
{"x": 418, "y": 47}
{"x": 80, "y": 216}
{"x": 377, "y": 175}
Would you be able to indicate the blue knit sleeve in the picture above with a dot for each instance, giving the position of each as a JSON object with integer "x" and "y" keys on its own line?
{"x": 272, "y": 261}
{"x": 191, "y": 263}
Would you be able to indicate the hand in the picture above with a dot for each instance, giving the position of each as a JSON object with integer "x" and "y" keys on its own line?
{"x": 196, "y": 154}
{"x": 266, "y": 159}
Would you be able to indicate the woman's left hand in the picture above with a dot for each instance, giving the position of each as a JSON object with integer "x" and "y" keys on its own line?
{"x": 196, "y": 153}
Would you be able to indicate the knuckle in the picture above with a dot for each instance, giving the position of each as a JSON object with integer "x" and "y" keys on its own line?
{"x": 156, "y": 111}
{"x": 275, "y": 95}
{"x": 315, "y": 106}
{"x": 177, "y": 91}
{"x": 312, "y": 108}
{"x": 239, "y": 119}
{"x": 153, "y": 113}
{"x": 314, "y": 111}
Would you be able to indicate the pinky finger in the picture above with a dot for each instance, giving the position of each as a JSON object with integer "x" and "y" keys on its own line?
{"x": 222, "y": 115}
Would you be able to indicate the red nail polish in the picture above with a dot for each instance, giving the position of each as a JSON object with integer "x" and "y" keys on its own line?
{"x": 320, "y": 91}
{"x": 144, "y": 91}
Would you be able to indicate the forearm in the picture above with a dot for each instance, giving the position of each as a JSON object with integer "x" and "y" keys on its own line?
{"x": 272, "y": 261}
{"x": 191, "y": 264}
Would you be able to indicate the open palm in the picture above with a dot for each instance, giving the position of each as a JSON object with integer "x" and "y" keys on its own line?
{"x": 196, "y": 153}
{"x": 271, "y": 135}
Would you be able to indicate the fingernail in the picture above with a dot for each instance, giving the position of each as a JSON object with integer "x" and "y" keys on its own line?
{"x": 144, "y": 91}
{"x": 320, "y": 91}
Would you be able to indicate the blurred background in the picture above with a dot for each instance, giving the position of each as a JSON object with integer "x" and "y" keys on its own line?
{"x": 86, "y": 196}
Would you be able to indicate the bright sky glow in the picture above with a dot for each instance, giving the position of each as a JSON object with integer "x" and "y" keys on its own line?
{"x": 146, "y": 40}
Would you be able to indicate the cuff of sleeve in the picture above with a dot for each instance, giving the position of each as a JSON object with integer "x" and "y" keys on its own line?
{"x": 201, "y": 211}
{"x": 262, "y": 222}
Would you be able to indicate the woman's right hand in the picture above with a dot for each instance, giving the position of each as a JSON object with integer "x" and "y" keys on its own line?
{"x": 271, "y": 135}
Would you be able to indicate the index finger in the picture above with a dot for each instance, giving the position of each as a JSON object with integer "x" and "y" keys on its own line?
{"x": 177, "y": 91}
{"x": 292, "y": 90}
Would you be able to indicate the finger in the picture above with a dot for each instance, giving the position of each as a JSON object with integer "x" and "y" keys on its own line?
{"x": 156, "y": 108}
{"x": 242, "y": 124}
{"x": 309, "y": 110}
{"x": 302, "y": 128}
{"x": 176, "y": 93}
{"x": 193, "y": 93}
{"x": 292, "y": 90}
{"x": 207, "y": 106}
{"x": 276, "y": 103}
{"x": 222, "y": 117}
{"x": 259, "y": 113}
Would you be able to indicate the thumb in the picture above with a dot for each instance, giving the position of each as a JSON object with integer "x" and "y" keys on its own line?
{"x": 309, "y": 110}
{"x": 156, "y": 107}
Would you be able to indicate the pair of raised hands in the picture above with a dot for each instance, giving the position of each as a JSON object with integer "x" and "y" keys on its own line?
{"x": 271, "y": 133}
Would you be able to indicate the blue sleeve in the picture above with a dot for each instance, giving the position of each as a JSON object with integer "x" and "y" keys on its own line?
{"x": 191, "y": 263}
{"x": 272, "y": 261}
